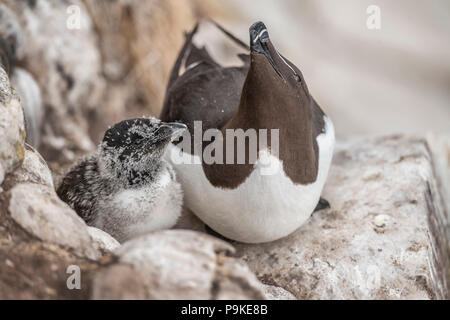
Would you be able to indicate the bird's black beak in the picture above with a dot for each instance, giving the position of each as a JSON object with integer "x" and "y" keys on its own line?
{"x": 260, "y": 43}
{"x": 174, "y": 129}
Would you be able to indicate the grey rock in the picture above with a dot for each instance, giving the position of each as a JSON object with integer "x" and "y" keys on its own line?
{"x": 154, "y": 32}
{"x": 31, "y": 201}
{"x": 5, "y": 86}
{"x": 439, "y": 204}
{"x": 439, "y": 145}
{"x": 70, "y": 82}
{"x": 176, "y": 264}
{"x": 33, "y": 169}
{"x": 31, "y": 101}
{"x": 11, "y": 32}
{"x": 37, "y": 209}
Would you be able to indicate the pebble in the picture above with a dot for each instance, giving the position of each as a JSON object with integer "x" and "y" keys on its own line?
{"x": 381, "y": 220}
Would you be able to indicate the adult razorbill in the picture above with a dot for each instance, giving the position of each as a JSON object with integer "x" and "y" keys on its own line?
{"x": 261, "y": 199}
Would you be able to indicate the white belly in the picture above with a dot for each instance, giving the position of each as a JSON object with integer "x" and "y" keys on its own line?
{"x": 136, "y": 211}
{"x": 264, "y": 207}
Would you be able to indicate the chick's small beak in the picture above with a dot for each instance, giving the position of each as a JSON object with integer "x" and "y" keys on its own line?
{"x": 175, "y": 129}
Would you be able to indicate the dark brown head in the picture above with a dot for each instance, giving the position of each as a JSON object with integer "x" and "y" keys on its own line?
{"x": 275, "y": 96}
{"x": 270, "y": 67}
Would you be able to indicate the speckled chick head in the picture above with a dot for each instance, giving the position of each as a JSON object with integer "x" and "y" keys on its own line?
{"x": 131, "y": 150}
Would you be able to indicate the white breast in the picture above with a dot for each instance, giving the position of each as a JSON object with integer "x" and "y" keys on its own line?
{"x": 265, "y": 207}
{"x": 135, "y": 211}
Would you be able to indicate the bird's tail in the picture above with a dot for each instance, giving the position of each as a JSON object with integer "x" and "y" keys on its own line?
{"x": 181, "y": 57}
{"x": 230, "y": 35}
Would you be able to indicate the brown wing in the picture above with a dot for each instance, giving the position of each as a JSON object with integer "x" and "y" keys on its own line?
{"x": 205, "y": 91}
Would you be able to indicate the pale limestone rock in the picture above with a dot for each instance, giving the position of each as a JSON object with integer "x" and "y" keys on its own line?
{"x": 189, "y": 221}
{"x": 30, "y": 98}
{"x": 31, "y": 201}
{"x": 176, "y": 264}
{"x": 340, "y": 253}
{"x": 146, "y": 37}
{"x": 70, "y": 82}
{"x": 381, "y": 220}
{"x": 119, "y": 282}
{"x": 120, "y": 74}
{"x": 39, "y": 235}
{"x": 37, "y": 209}
{"x": 233, "y": 280}
{"x": 12, "y": 129}
{"x": 102, "y": 241}
{"x": 277, "y": 293}
{"x": 34, "y": 169}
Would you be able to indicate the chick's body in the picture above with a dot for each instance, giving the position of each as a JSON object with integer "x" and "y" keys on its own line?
{"x": 125, "y": 192}
{"x": 122, "y": 212}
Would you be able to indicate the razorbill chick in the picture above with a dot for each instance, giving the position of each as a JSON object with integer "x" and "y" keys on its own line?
{"x": 241, "y": 200}
{"x": 12, "y": 52}
{"x": 127, "y": 188}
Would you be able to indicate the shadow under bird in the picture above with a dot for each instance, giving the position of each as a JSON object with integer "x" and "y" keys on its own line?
{"x": 127, "y": 188}
{"x": 266, "y": 92}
